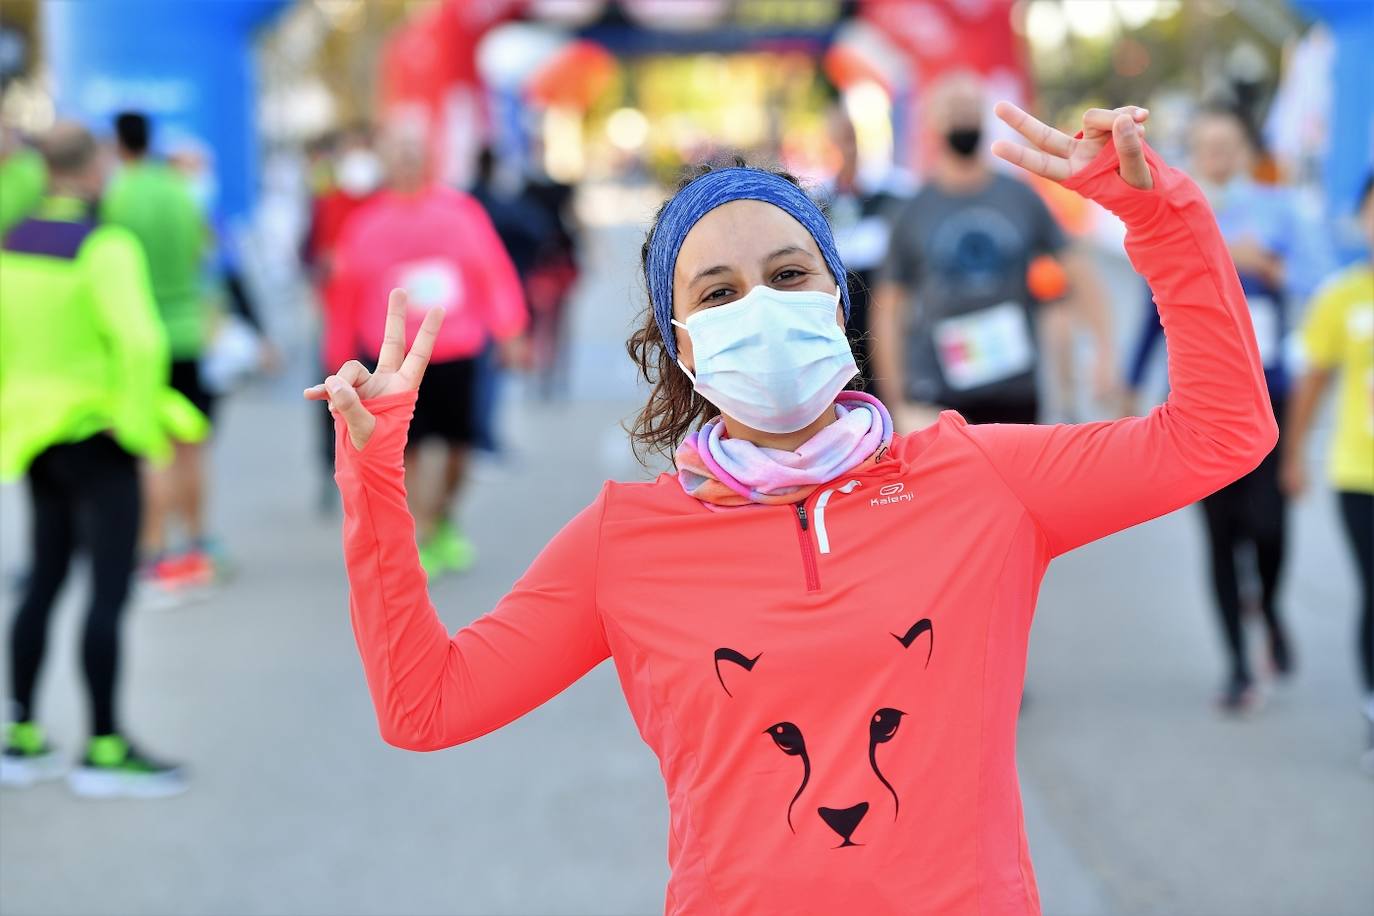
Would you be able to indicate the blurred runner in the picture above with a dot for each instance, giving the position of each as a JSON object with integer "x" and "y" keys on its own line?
{"x": 522, "y": 224}
{"x": 150, "y": 199}
{"x": 549, "y": 284}
{"x": 862, "y": 219}
{"x": 954, "y": 322}
{"x": 438, "y": 244}
{"x": 1338, "y": 343}
{"x": 1250, "y": 515}
{"x": 22, "y": 177}
{"x": 349, "y": 173}
{"x": 236, "y": 343}
{"x": 83, "y": 375}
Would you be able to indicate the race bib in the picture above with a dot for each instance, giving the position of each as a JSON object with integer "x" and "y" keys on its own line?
{"x": 1264, "y": 315}
{"x": 431, "y": 282}
{"x": 985, "y": 346}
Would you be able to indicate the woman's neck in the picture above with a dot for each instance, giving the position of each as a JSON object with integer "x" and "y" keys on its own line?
{"x": 787, "y": 442}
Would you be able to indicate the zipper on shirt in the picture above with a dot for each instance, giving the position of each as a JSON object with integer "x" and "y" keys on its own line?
{"x": 813, "y": 575}
{"x": 822, "y": 533}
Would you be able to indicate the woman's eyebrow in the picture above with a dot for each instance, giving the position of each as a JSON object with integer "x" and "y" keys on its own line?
{"x": 725, "y": 268}
{"x": 789, "y": 249}
{"x": 709, "y": 272}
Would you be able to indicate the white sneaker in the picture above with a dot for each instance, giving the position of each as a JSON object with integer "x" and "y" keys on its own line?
{"x": 19, "y": 770}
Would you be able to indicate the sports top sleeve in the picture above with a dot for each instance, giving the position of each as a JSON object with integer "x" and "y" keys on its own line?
{"x": 1046, "y": 235}
{"x": 1082, "y": 482}
{"x": 902, "y": 265}
{"x": 115, "y": 271}
{"x": 432, "y": 690}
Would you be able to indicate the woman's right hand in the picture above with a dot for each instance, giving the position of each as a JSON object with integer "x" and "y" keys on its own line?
{"x": 397, "y": 371}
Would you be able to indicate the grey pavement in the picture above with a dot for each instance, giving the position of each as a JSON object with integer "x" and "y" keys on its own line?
{"x": 1139, "y": 798}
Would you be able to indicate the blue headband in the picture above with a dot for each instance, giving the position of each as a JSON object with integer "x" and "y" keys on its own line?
{"x": 702, "y": 196}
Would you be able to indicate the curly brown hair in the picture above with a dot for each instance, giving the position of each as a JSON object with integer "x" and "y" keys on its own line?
{"x": 673, "y": 408}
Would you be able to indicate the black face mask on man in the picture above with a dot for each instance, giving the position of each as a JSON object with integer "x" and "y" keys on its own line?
{"x": 964, "y": 140}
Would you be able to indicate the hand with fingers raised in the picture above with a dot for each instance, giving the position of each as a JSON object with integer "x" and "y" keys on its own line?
{"x": 1057, "y": 156}
{"x": 397, "y": 371}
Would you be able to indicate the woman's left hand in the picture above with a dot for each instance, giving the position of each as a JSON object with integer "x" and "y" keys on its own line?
{"x": 1057, "y": 156}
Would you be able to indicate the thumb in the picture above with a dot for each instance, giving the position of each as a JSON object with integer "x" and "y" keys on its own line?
{"x": 344, "y": 402}
{"x": 1130, "y": 152}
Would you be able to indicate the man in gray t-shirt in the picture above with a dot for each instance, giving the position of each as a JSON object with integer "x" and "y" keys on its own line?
{"x": 955, "y": 324}
{"x": 960, "y": 260}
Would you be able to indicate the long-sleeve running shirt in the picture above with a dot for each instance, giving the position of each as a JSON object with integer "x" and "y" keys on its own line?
{"x": 831, "y": 688}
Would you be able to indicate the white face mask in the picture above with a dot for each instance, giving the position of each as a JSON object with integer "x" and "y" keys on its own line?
{"x": 773, "y": 360}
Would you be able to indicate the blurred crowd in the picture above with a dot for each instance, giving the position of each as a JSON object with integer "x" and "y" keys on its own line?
{"x": 126, "y": 315}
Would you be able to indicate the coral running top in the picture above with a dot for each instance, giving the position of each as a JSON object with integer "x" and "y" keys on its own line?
{"x": 831, "y": 687}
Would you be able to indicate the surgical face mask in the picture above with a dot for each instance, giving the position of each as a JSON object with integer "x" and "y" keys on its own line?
{"x": 359, "y": 173}
{"x": 964, "y": 140}
{"x": 773, "y": 360}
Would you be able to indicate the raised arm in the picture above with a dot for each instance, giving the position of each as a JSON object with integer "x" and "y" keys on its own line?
{"x": 1086, "y": 481}
{"x": 432, "y": 690}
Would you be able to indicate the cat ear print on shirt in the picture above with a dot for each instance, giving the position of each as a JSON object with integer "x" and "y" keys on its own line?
{"x": 914, "y": 632}
{"x": 734, "y": 657}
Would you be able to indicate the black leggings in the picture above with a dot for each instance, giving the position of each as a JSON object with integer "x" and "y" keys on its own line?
{"x": 1357, "y": 511}
{"x": 85, "y": 496}
{"x": 1252, "y": 511}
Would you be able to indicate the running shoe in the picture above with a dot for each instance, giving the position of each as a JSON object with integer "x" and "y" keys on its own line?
{"x": 1280, "y": 654}
{"x": 173, "y": 580}
{"x": 1238, "y": 696}
{"x": 195, "y": 569}
{"x": 113, "y": 768}
{"x": 455, "y": 549}
{"x": 27, "y": 758}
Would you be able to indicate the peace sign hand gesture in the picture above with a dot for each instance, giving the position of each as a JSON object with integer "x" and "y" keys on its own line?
{"x": 397, "y": 371}
{"x": 1057, "y": 156}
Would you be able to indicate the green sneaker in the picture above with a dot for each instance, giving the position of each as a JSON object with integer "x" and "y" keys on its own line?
{"x": 455, "y": 550}
{"x": 113, "y": 768}
{"x": 27, "y": 758}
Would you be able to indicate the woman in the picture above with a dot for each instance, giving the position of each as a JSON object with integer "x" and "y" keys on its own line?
{"x": 820, "y": 627}
{"x": 1338, "y": 343}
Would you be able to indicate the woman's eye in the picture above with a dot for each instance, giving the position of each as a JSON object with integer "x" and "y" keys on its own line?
{"x": 715, "y": 295}
{"x": 884, "y": 724}
{"x": 786, "y": 275}
{"x": 788, "y": 738}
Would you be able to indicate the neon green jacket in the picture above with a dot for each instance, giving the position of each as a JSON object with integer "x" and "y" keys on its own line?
{"x": 81, "y": 348}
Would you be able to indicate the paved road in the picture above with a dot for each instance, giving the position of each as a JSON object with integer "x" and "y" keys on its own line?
{"x": 1139, "y": 799}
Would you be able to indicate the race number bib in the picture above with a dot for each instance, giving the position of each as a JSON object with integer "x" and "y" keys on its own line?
{"x": 431, "y": 282}
{"x": 1264, "y": 315}
{"x": 985, "y": 346}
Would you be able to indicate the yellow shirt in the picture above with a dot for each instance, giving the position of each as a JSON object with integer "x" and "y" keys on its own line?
{"x": 1339, "y": 334}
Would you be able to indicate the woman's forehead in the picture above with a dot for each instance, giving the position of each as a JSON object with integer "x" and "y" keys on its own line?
{"x": 740, "y": 234}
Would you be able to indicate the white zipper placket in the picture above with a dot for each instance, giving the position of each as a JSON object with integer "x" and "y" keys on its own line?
{"x": 823, "y": 535}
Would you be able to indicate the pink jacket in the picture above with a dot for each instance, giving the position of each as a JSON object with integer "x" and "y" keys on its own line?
{"x": 831, "y": 688}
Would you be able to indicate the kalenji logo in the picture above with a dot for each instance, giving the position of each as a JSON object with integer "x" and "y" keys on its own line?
{"x": 892, "y": 494}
